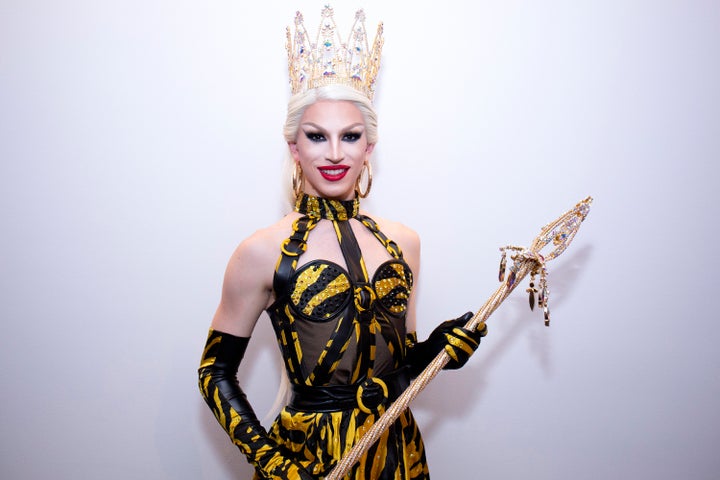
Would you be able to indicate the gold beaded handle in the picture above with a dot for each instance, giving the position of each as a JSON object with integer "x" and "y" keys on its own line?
{"x": 526, "y": 261}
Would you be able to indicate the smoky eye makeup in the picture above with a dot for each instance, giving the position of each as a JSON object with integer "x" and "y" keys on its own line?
{"x": 314, "y": 136}
{"x": 352, "y": 136}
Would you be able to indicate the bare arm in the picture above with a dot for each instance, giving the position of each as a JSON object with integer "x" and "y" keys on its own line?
{"x": 411, "y": 253}
{"x": 246, "y": 292}
{"x": 247, "y": 287}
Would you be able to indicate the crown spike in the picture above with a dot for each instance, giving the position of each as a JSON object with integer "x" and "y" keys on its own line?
{"x": 329, "y": 60}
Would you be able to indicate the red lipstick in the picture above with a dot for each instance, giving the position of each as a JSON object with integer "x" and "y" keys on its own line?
{"x": 333, "y": 173}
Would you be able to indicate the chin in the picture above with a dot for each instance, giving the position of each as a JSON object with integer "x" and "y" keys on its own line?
{"x": 344, "y": 196}
{"x": 337, "y": 193}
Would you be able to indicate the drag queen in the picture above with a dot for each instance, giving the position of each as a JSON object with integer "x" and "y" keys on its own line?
{"x": 336, "y": 282}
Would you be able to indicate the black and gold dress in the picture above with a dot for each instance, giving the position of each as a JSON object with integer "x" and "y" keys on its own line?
{"x": 342, "y": 337}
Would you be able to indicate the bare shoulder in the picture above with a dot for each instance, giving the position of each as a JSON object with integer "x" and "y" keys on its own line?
{"x": 247, "y": 287}
{"x": 262, "y": 248}
{"x": 407, "y": 238}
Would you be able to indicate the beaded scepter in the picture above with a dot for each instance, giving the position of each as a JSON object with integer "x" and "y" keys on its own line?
{"x": 558, "y": 235}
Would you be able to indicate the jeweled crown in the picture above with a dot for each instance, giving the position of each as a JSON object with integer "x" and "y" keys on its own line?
{"x": 329, "y": 60}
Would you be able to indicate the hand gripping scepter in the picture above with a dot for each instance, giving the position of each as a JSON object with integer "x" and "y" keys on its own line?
{"x": 525, "y": 260}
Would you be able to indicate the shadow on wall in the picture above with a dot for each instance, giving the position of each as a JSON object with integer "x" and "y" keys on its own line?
{"x": 469, "y": 384}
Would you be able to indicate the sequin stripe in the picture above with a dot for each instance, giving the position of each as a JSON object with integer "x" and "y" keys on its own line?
{"x": 392, "y": 247}
{"x": 320, "y": 290}
{"x": 386, "y": 286}
{"x": 321, "y": 439}
{"x": 396, "y": 301}
{"x": 393, "y": 287}
{"x": 306, "y": 286}
{"x": 326, "y": 303}
{"x": 395, "y": 296}
{"x": 402, "y": 273}
{"x": 323, "y": 208}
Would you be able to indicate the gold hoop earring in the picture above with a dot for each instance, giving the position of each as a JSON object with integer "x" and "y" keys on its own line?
{"x": 366, "y": 168}
{"x": 297, "y": 180}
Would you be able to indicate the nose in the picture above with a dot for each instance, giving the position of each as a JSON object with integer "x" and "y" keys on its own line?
{"x": 335, "y": 153}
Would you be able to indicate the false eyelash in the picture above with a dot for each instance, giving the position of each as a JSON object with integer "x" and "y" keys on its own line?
{"x": 315, "y": 136}
{"x": 354, "y": 136}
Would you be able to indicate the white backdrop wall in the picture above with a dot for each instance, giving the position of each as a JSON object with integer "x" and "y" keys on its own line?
{"x": 141, "y": 141}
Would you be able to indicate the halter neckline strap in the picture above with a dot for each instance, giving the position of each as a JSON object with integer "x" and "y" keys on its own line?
{"x": 324, "y": 209}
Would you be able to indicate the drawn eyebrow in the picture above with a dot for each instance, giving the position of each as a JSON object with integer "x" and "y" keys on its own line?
{"x": 349, "y": 127}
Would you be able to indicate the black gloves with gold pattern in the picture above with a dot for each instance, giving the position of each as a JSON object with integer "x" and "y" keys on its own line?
{"x": 220, "y": 388}
{"x": 451, "y": 336}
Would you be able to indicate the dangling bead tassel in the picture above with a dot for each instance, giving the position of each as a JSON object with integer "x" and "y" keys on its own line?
{"x": 532, "y": 291}
{"x": 544, "y": 294}
{"x": 503, "y": 264}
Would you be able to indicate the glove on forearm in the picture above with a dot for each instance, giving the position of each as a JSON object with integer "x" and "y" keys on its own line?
{"x": 220, "y": 388}
{"x": 451, "y": 336}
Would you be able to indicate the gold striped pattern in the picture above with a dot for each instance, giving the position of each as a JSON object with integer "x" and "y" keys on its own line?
{"x": 321, "y": 439}
{"x": 246, "y": 435}
{"x": 393, "y": 286}
{"x": 317, "y": 290}
{"x": 320, "y": 292}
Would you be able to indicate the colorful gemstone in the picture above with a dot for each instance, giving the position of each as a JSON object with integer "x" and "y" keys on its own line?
{"x": 503, "y": 262}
